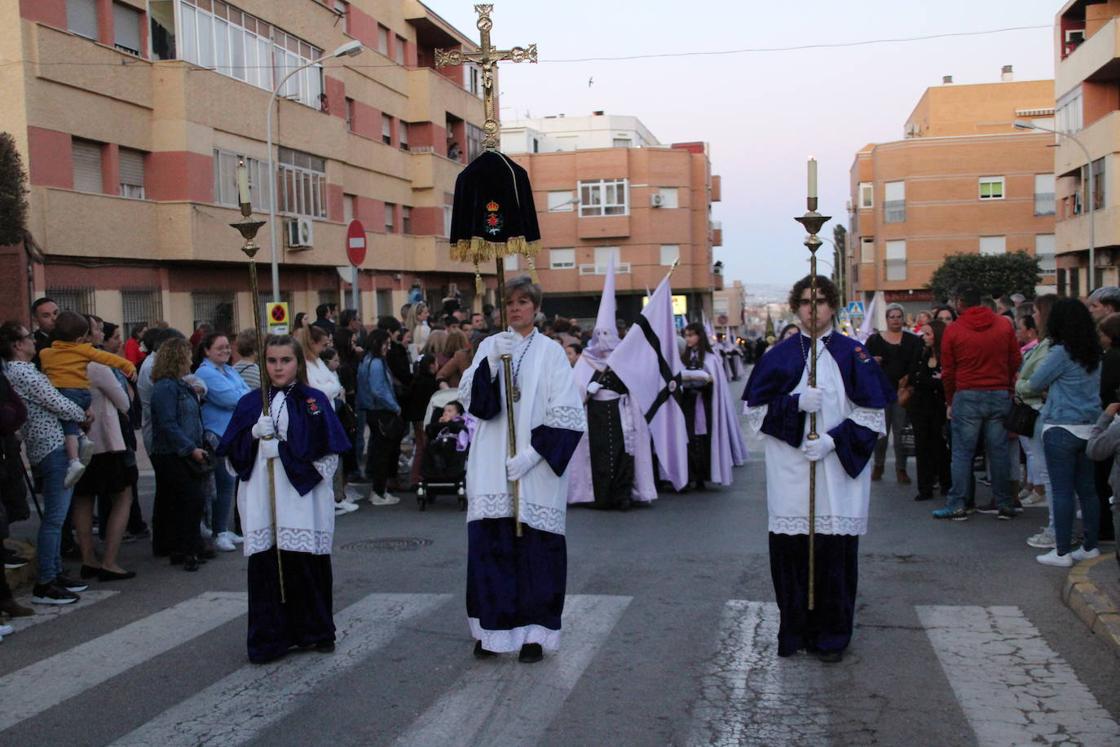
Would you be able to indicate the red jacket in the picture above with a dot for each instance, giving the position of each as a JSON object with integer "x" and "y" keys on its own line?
{"x": 979, "y": 351}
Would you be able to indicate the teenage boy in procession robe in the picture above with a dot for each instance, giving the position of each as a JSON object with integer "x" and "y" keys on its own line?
{"x": 515, "y": 585}
{"x": 299, "y": 440}
{"x": 849, "y": 400}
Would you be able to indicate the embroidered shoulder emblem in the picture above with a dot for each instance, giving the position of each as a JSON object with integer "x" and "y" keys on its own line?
{"x": 862, "y": 354}
{"x": 312, "y": 406}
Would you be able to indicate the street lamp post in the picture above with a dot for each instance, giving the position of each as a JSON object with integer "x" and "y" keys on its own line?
{"x": 349, "y": 49}
{"x": 1025, "y": 125}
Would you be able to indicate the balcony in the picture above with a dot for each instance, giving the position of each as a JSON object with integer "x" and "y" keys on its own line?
{"x": 1099, "y": 139}
{"x": 604, "y": 227}
{"x": 1096, "y": 59}
{"x": 717, "y": 188}
{"x": 431, "y": 96}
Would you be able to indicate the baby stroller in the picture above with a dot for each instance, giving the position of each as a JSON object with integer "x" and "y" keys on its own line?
{"x": 444, "y": 467}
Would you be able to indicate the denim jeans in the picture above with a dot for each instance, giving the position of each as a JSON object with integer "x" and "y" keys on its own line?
{"x": 221, "y": 502}
{"x": 896, "y": 418}
{"x": 1071, "y": 471}
{"x": 975, "y": 413}
{"x": 80, "y": 397}
{"x": 51, "y": 474}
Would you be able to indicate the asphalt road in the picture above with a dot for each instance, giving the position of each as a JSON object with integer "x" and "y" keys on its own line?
{"x": 961, "y": 639}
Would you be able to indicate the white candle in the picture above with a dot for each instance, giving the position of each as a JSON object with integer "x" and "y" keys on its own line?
{"x": 812, "y": 177}
{"x": 242, "y": 183}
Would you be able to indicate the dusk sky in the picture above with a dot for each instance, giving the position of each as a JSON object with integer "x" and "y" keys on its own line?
{"x": 763, "y": 113}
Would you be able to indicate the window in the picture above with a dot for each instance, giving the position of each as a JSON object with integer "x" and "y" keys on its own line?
{"x": 991, "y": 188}
{"x": 474, "y": 142}
{"x": 217, "y": 35}
{"x": 896, "y": 260}
{"x": 513, "y": 262}
{"x": 140, "y": 308}
{"x": 390, "y": 217}
{"x": 347, "y": 208}
{"x": 225, "y": 180}
{"x": 81, "y": 17}
{"x": 1098, "y": 184}
{"x": 561, "y": 202}
{"x": 894, "y": 202}
{"x": 668, "y": 197}
{"x": 406, "y": 219}
{"x": 561, "y": 259}
{"x": 132, "y": 173}
{"x": 73, "y": 299}
{"x": 382, "y": 40}
{"x": 603, "y": 257}
{"x": 398, "y": 50}
{"x": 448, "y": 210}
{"x": 1044, "y": 250}
{"x": 349, "y": 114}
{"x": 867, "y": 250}
{"x": 621, "y": 142}
{"x": 1043, "y": 194}
{"x": 1068, "y": 112}
{"x": 990, "y": 245}
{"x": 343, "y": 9}
{"x": 87, "y": 166}
{"x": 472, "y": 79}
{"x": 386, "y": 129}
{"x": 670, "y": 253}
{"x": 162, "y": 15}
{"x": 866, "y": 195}
{"x": 384, "y": 300}
{"x": 126, "y": 28}
{"x": 603, "y": 197}
{"x": 301, "y": 184}
{"x": 402, "y": 135}
{"x": 217, "y": 309}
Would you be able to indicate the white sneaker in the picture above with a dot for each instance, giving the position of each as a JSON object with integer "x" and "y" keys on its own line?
{"x": 6, "y": 630}
{"x": 347, "y": 505}
{"x": 1037, "y": 500}
{"x": 1043, "y": 540}
{"x": 383, "y": 500}
{"x": 1082, "y": 554}
{"x": 233, "y": 537}
{"x": 74, "y": 473}
{"x": 339, "y": 510}
{"x": 1054, "y": 559}
{"x": 85, "y": 450}
{"x": 224, "y": 543}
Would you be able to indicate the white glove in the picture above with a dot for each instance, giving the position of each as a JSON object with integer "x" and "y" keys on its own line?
{"x": 593, "y": 387}
{"x": 270, "y": 448}
{"x": 264, "y": 427}
{"x": 819, "y": 448}
{"x": 518, "y": 466}
{"x": 503, "y": 345}
{"x": 810, "y": 400}
{"x": 695, "y": 374}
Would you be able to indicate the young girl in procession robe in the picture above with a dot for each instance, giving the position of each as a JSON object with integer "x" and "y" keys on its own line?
{"x": 515, "y": 585}
{"x": 299, "y": 441}
{"x": 849, "y": 398}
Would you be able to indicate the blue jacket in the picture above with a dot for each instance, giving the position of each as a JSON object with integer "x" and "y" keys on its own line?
{"x": 224, "y": 389}
{"x": 176, "y": 418}
{"x": 375, "y": 389}
{"x": 1074, "y": 394}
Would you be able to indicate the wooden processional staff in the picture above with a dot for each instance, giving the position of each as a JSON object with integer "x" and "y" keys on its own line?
{"x": 487, "y": 57}
{"x": 813, "y": 221}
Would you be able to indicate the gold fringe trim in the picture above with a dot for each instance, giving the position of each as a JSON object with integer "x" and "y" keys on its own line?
{"x": 479, "y": 287}
{"x": 478, "y": 249}
{"x": 533, "y": 270}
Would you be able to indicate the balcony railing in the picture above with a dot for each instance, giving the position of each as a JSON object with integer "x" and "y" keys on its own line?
{"x": 621, "y": 268}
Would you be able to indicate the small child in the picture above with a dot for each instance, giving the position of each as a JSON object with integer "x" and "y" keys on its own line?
{"x": 64, "y": 363}
{"x": 452, "y": 426}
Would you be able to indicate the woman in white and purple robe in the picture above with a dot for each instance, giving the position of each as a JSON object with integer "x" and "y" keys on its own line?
{"x": 516, "y": 585}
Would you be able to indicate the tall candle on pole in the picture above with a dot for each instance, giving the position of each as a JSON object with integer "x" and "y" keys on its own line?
{"x": 813, "y": 221}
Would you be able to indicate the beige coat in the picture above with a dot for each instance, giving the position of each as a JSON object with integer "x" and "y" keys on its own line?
{"x": 108, "y": 399}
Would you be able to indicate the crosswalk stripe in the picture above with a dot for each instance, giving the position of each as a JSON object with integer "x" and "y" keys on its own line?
{"x": 44, "y": 613}
{"x": 1013, "y": 687}
{"x": 501, "y": 702}
{"x": 748, "y": 694}
{"x": 236, "y": 708}
{"x": 46, "y": 683}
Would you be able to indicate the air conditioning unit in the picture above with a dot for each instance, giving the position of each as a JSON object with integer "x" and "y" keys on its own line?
{"x": 301, "y": 233}
{"x": 656, "y": 199}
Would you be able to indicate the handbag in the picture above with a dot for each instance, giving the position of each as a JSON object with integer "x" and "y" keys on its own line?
{"x": 905, "y": 391}
{"x": 1021, "y": 418}
{"x": 391, "y": 426}
{"x": 906, "y": 438}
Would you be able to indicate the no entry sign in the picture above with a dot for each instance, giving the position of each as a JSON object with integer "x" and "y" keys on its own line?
{"x": 356, "y": 243}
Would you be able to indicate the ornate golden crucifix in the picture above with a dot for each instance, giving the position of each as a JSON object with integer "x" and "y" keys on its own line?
{"x": 487, "y": 57}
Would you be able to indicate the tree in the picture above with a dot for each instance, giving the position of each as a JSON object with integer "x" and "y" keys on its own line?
{"x": 13, "y": 193}
{"x": 995, "y": 274}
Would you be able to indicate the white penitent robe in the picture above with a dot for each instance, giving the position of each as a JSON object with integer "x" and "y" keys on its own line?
{"x": 306, "y": 522}
{"x": 841, "y": 501}
{"x": 549, "y": 398}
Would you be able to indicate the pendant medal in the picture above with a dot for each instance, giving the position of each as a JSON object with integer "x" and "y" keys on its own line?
{"x": 516, "y": 394}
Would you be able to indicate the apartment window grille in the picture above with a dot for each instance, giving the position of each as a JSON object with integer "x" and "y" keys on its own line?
{"x": 225, "y": 179}
{"x": 406, "y": 219}
{"x": 86, "y": 156}
{"x": 71, "y": 298}
{"x": 132, "y": 173}
{"x": 894, "y": 202}
{"x": 81, "y": 17}
{"x": 561, "y": 259}
{"x": 603, "y": 197}
{"x": 1044, "y": 250}
{"x": 991, "y": 187}
{"x": 301, "y": 184}
{"x": 896, "y": 260}
{"x": 126, "y": 28}
{"x": 216, "y": 35}
{"x": 474, "y": 142}
{"x": 140, "y": 308}
{"x": 390, "y": 217}
{"x": 218, "y": 309}
{"x": 670, "y": 253}
{"x": 1043, "y": 194}
{"x": 866, "y": 195}
{"x": 386, "y": 129}
{"x": 992, "y": 245}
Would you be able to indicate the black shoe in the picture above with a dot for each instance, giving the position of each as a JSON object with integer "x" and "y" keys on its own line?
{"x": 70, "y": 584}
{"x": 13, "y": 560}
{"x": 88, "y": 572}
{"x": 104, "y": 574}
{"x": 531, "y": 653}
{"x": 1005, "y": 514}
{"x": 190, "y": 563}
{"x": 52, "y": 593}
{"x": 989, "y": 509}
{"x": 481, "y": 653}
{"x": 830, "y": 657}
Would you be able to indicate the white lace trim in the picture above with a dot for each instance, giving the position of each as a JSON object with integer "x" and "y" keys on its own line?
{"x": 326, "y": 466}
{"x": 851, "y": 525}
{"x": 312, "y": 541}
{"x": 569, "y": 418}
{"x": 755, "y": 416}
{"x": 875, "y": 420}
{"x": 500, "y": 506}
{"x": 508, "y": 641}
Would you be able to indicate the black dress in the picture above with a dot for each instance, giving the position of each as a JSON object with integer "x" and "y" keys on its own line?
{"x": 612, "y": 469}
{"x": 699, "y": 445}
{"x": 927, "y": 415}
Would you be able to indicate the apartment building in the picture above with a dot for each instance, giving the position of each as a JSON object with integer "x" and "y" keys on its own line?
{"x": 605, "y": 187}
{"x": 1087, "y": 99}
{"x": 962, "y": 180}
{"x": 131, "y": 116}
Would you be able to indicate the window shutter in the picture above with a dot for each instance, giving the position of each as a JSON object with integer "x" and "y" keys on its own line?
{"x": 81, "y": 17}
{"x": 132, "y": 167}
{"x": 87, "y": 166}
{"x": 126, "y": 28}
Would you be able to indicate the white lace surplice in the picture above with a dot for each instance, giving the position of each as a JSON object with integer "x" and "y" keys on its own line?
{"x": 842, "y": 502}
{"x": 306, "y": 522}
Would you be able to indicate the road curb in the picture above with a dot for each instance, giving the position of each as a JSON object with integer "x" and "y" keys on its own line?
{"x": 1095, "y": 607}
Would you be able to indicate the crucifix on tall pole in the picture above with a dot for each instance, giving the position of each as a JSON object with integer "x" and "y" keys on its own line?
{"x": 475, "y": 247}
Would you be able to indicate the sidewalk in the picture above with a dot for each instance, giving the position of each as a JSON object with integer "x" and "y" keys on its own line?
{"x": 1092, "y": 591}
